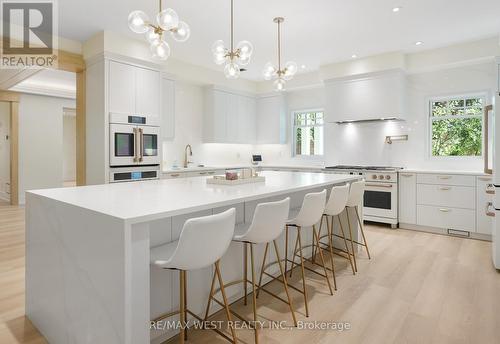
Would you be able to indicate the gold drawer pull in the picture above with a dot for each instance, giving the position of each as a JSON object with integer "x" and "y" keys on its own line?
{"x": 444, "y": 210}
{"x": 444, "y": 177}
{"x": 445, "y": 188}
{"x": 490, "y": 189}
{"x": 175, "y": 175}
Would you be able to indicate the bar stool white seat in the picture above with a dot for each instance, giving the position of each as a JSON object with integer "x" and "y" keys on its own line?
{"x": 309, "y": 215}
{"x": 266, "y": 226}
{"x": 203, "y": 241}
{"x": 334, "y": 207}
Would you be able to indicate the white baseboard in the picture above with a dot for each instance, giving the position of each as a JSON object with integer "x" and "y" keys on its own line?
{"x": 443, "y": 231}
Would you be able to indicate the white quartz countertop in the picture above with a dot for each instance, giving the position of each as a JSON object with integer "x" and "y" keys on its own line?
{"x": 143, "y": 201}
{"x": 460, "y": 172}
{"x": 229, "y": 167}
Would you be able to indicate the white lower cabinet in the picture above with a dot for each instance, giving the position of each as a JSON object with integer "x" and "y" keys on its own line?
{"x": 445, "y": 217}
{"x": 446, "y": 201}
{"x": 483, "y": 222}
{"x": 408, "y": 198}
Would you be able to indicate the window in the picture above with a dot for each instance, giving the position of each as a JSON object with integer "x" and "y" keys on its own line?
{"x": 456, "y": 125}
{"x": 308, "y": 133}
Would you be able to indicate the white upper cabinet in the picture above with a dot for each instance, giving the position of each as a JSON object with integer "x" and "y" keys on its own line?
{"x": 229, "y": 117}
{"x": 121, "y": 88}
{"x": 147, "y": 92}
{"x": 133, "y": 90}
{"x": 368, "y": 96}
{"x": 167, "y": 108}
{"x": 271, "y": 119}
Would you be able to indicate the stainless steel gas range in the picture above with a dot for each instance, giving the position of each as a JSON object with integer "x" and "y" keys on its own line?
{"x": 381, "y": 194}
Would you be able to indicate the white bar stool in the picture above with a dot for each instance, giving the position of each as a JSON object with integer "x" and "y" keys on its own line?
{"x": 309, "y": 214}
{"x": 334, "y": 207}
{"x": 266, "y": 226}
{"x": 356, "y": 194}
{"x": 203, "y": 241}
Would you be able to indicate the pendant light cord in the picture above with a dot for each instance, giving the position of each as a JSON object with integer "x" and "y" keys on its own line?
{"x": 232, "y": 13}
{"x": 160, "y": 7}
{"x": 279, "y": 46}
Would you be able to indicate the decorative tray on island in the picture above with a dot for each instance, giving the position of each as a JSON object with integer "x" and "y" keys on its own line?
{"x": 221, "y": 180}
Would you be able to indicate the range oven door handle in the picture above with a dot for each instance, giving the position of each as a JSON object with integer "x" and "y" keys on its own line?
{"x": 141, "y": 144}
{"x": 388, "y": 186}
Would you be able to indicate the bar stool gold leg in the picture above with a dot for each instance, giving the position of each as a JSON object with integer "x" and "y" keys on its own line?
{"x": 294, "y": 253}
{"x": 210, "y": 296}
{"x": 330, "y": 242}
{"x": 303, "y": 272}
{"x": 286, "y": 249}
{"x": 182, "y": 305}
{"x": 345, "y": 243}
{"x": 245, "y": 272}
{"x": 363, "y": 233}
{"x": 185, "y": 305}
{"x": 226, "y": 304}
{"x": 254, "y": 295}
{"x": 283, "y": 275}
{"x": 315, "y": 234}
{"x": 350, "y": 238}
{"x": 262, "y": 269}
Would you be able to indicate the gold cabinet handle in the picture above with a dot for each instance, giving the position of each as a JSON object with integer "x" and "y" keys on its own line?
{"x": 175, "y": 175}
{"x": 484, "y": 179}
{"x": 445, "y": 188}
{"x": 136, "y": 159}
{"x": 406, "y": 175}
{"x": 141, "y": 133}
{"x": 211, "y": 172}
{"x": 202, "y": 173}
{"x": 444, "y": 210}
{"x": 489, "y": 213}
{"x": 444, "y": 177}
{"x": 490, "y": 189}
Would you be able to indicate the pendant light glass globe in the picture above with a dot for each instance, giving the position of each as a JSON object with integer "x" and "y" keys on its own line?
{"x": 268, "y": 71}
{"x": 160, "y": 50}
{"x": 152, "y": 36}
{"x": 291, "y": 68}
{"x": 243, "y": 60}
{"x": 245, "y": 48}
{"x": 218, "y": 47}
{"x": 138, "y": 21}
{"x": 232, "y": 71}
{"x": 167, "y": 19}
{"x": 279, "y": 85}
{"x": 219, "y": 58}
{"x": 182, "y": 32}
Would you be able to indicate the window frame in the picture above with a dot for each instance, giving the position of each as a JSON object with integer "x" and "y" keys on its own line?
{"x": 430, "y": 100}
{"x": 294, "y": 134}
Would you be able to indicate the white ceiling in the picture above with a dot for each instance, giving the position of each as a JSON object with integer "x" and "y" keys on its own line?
{"x": 315, "y": 32}
{"x": 49, "y": 82}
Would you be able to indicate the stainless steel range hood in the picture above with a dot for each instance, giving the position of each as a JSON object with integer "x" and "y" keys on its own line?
{"x": 365, "y": 98}
{"x": 382, "y": 119}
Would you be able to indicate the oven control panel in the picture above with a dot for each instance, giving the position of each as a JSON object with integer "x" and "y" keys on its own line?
{"x": 383, "y": 176}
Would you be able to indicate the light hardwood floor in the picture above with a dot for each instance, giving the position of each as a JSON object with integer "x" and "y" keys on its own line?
{"x": 418, "y": 288}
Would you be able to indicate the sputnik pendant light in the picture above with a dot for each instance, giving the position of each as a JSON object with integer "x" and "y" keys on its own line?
{"x": 232, "y": 58}
{"x": 166, "y": 21}
{"x": 281, "y": 75}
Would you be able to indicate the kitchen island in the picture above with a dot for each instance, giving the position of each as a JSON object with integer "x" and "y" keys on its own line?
{"x": 88, "y": 276}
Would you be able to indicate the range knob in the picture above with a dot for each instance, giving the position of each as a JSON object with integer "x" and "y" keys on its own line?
{"x": 388, "y": 177}
{"x": 381, "y": 177}
{"x": 374, "y": 176}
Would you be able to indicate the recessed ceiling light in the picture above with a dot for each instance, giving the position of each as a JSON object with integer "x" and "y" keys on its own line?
{"x": 354, "y": 56}
{"x": 396, "y": 9}
{"x": 303, "y": 67}
{"x": 419, "y": 43}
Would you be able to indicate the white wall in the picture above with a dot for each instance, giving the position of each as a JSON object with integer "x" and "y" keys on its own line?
{"x": 41, "y": 142}
{"x": 69, "y": 147}
{"x": 4, "y": 150}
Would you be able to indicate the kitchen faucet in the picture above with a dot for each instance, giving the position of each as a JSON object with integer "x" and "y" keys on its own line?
{"x": 186, "y": 162}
